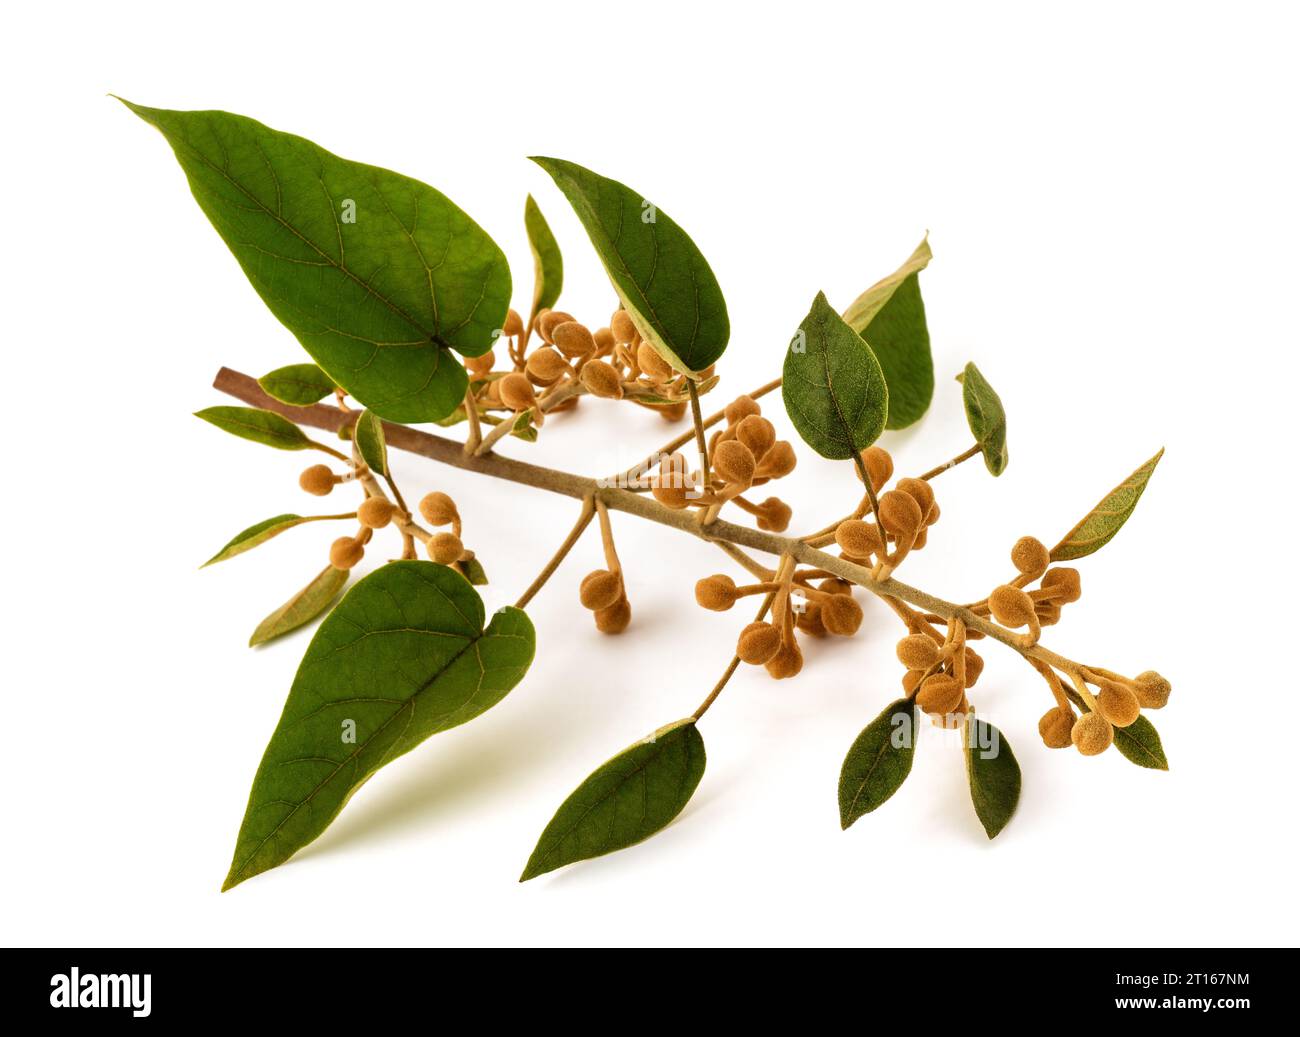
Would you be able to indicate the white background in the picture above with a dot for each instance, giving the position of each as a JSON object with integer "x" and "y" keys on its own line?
{"x": 1111, "y": 196}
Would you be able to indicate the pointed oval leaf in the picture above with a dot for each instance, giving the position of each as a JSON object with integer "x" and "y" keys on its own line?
{"x": 299, "y": 385}
{"x": 1140, "y": 743}
{"x": 369, "y": 438}
{"x": 663, "y": 280}
{"x": 994, "y": 775}
{"x": 377, "y": 275}
{"x": 878, "y": 761}
{"x": 403, "y": 656}
{"x": 890, "y": 315}
{"x": 475, "y": 573}
{"x": 303, "y": 607}
{"x": 1105, "y": 520}
{"x": 254, "y": 536}
{"x": 261, "y": 426}
{"x": 548, "y": 264}
{"x": 832, "y": 384}
{"x": 623, "y": 801}
{"x": 987, "y": 419}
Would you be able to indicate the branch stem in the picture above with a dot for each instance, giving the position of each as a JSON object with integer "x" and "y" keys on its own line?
{"x": 965, "y": 455}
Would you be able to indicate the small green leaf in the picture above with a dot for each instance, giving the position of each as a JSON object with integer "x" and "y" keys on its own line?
{"x": 994, "y": 775}
{"x": 548, "y": 265}
{"x": 1140, "y": 743}
{"x": 833, "y": 387}
{"x": 890, "y": 315}
{"x": 987, "y": 419}
{"x": 524, "y": 428}
{"x": 369, "y": 438}
{"x": 1105, "y": 520}
{"x": 299, "y": 385}
{"x": 878, "y": 761}
{"x": 474, "y": 573}
{"x": 255, "y": 535}
{"x": 379, "y": 276}
{"x": 261, "y": 426}
{"x": 665, "y": 284}
{"x": 403, "y": 656}
{"x": 303, "y": 607}
{"x": 623, "y": 801}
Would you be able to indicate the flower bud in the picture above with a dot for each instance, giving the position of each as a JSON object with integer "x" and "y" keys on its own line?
{"x": 514, "y": 324}
{"x": 919, "y": 490}
{"x": 622, "y": 328}
{"x": 810, "y": 620}
{"x": 1092, "y": 734}
{"x": 601, "y": 379}
{"x": 615, "y": 619}
{"x": 1029, "y": 556}
{"x": 1011, "y": 606}
{"x": 545, "y": 366}
{"x": 740, "y": 408}
{"x": 600, "y": 589}
{"x": 547, "y": 323}
{"x": 1151, "y": 689}
{"x": 1054, "y": 727}
{"x": 841, "y": 615}
{"x": 774, "y": 515}
{"x": 573, "y": 339}
{"x": 879, "y": 465}
{"x": 717, "y": 593}
{"x": 857, "y": 538}
{"x": 974, "y": 666}
{"x": 1064, "y": 584}
{"x": 438, "y": 509}
{"x": 669, "y": 492}
{"x": 917, "y": 652}
{"x": 911, "y": 679}
{"x": 672, "y": 411}
{"x": 517, "y": 391}
{"x": 652, "y": 365}
{"x": 481, "y": 366}
{"x": 940, "y": 694}
{"x": 734, "y": 463}
{"x": 787, "y": 662}
{"x": 345, "y": 552}
{"x": 757, "y": 433}
{"x": 318, "y": 480}
{"x": 779, "y": 461}
{"x": 375, "y": 512}
{"x": 899, "y": 513}
{"x": 445, "y": 548}
{"x": 1117, "y": 703}
{"x": 604, "y": 341}
{"x": 758, "y": 643}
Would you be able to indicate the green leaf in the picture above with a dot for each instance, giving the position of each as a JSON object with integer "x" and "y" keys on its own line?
{"x": 1140, "y": 743}
{"x": 1105, "y": 520}
{"x": 890, "y": 315}
{"x": 261, "y": 426}
{"x": 474, "y": 572}
{"x": 994, "y": 775}
{"x": 369, "y": 438}
{"x": 878, "y": 762}
{"x": 403, "y": 656}
{"x": 303, "y": 607}
{"x": 987, "y": 419}
{"x": 663, "y": 281}
{"x": 255, "y": 535}
{"x": 299, "y": 385}
{"x": 833, "y": 387}
{"x": 379, "y": 276}
{"x": 548, "y": 265}
{"x": 623, "y": 801}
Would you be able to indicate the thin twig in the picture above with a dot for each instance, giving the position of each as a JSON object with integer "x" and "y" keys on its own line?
{"x": 965, "y": 455}
{"x": 584, "y": 519}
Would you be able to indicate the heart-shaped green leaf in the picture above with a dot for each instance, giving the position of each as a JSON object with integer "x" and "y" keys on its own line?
{"x": 1105, "y": 520}
{"x": 890, "y": 315}
{"x": 255, "y": 535}
{"x": 623, "y": 801}
{"x": 994, "y": 775}
{"x": 369, "y": 438}
{"x": 379, "y": 276}
{"x": 832, "y": 384}
{"x": 403, "y": 656}
{"x": 548, "y": 264}
{"x": 261, "y": 426}
{"x": 987, "y": 419}
{"x": 303, "y": 607}
{"x": 665, "y": 284}
{"x": 299, "y": 385}
{"x": 878, "y": 762}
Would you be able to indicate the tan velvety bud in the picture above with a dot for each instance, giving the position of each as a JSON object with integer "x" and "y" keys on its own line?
{"x": 445, "y": 548}
{"x": 879, "y": 465}
{"x": 1064, "y": 583}
{"x": 652, "y": 365}
{"x": 317, "y": 480}
{"x": 974, "y": 667}
{"x": 1029, "y": 556}
{"x": 1049, "y": 614}
{"x": 573, "y": 339}
{"x": 517, "y": 391}
{"x": 922, "y": 538}
{"x": 604, "y": 341}
{"x": 841, "y": 615}
{"x": 545, "y": 366}
{"x": 757, "y": 433}
{"x": 622, "y": 328}
{"x": 375, "y": 512}
{"x": 758, "y": 643}
{"x": 615, "y": 619}
{"x": 481, "y": 366}
{"x": 919, "y": 490}
{"x": 1011, "y": 606}
{"x": 514, "y": 324}
{"x": 438, "y": 509}
{"x": 716, "y": 592}
{"x": 1117, "y": 703}
{"x": 669, "y": 492}
{"x": 734, "y": 463}
{"x": 601, "y": 379}
{"x": 940, "y": 694}
{"x": 345, "y": 552}
{"x": 787, "y": 662}
{"x": 740, "y": 408}
{"x": 917, "y": 652}
{"x": 1152, "y": 690}
{"x": 810, "y": 620}
{"x": 834, "y": 585}
{"x": 673, "y": 412}
{"x": 778, "y": 462}
{"x": 911, "y": 679}
{"x": 858, "y": 538}
{"x": 899, "y": 513}
{"x": 1054, "y": 727}
{"x": 1092, "y": 734}
{"x": 774, "y": 515}
{"x": 599, "y": 590}
{"x": 549, "y": 321}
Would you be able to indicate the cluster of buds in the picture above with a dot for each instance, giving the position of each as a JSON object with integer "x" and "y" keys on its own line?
{"x": 940, "y": 670}
{"x": 1118, "y": 702}
{"x": 1016, "y": 607}
{"x": 602, "y": 592}
{"x": 905, "y": 513}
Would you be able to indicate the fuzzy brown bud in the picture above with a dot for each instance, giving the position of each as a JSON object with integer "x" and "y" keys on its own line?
{"x": 318, "y": 480}
{"x": 573, "y": 339}
{"x": 940, "y": 694}
{"x": 740, "y": 408}
{"x": 757, "y": 433}
{"x": 1054, "y": 727}
{"x": 545, "y": 366}
{"x": 438, "y": 509}
{"x": 652, "y": 365}
{"x": 919, "y": 490}
{"x": 604, "y": 341}
{"x": 445, "y": 548}
{"x": 601, "y": 379}
{"x": 514, "y": 324}
{"x": 974, "y": 666}
{"x": 615, "y": 619}
{"x": 1092, "y": 734}
{"x": 548, "y": 321}
{"x": 778, "y": 462}
{"x": 1151, "y": 689}
{"x": 717, "y": 593}
{"x": 899, "y": 513}
{"x": 345, "y": 552}
{"x": 1029, "y": 556}
{"x": 1117, "y": 703}
{"x": 758, "y": 643}
{"x": 1064, "y": 584}
{"x": 787, "y": 662}
{"x": 734, "y": 463}
{"x": 1011, "y": 606}
{"x": 858, "y": 539}
{"x": 517, "y": 391}
{"x": 622, "y": 328}
{"x": 600, "y": 589}
{"x": 774, "y": 515}
{"x": 917, "y": 652}
{"x": 375, "y": 512}
{"x": 841, "y": 615}
{"x": 879, "y": 465}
